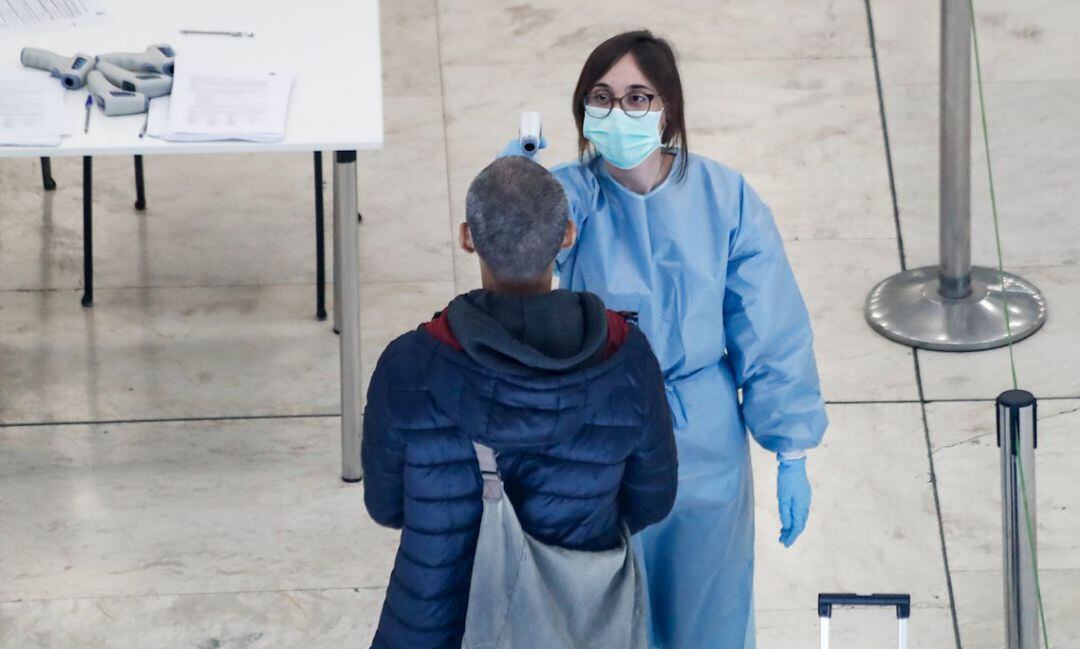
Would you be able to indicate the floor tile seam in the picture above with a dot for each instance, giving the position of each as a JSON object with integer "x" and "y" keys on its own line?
{"x": 100, "y": 289}
{"x": 682, "y": 60}
{"x": 1038, "y": 267}
{"x": 703, "y": 59}
{"x": 930, "y": 451}
{"x": 890, "y": 170}
{"x": 409, "y": 95}
{"x": 165, "y": 420}
{"x": 872, "y": 42}
{"x": 871, "y": 402}
{"x": 149, "y": 420}
{"x": 286, "y": 591}
{"x": 1054, "y": 397}
{"x": 1017, "y": 268}
{"x": 930, "y": 402}
{"x": 446, "y": 140}
{"x": 157, "y": 287}
{"x": 989, "y": 571}
{"x": 986, "y": 82}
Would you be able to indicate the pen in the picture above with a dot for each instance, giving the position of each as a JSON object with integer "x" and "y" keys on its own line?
{"x": 204, "y": 32}
{"x": 89, "y": 102}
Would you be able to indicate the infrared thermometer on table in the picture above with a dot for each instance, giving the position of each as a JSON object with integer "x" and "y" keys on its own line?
{"x": 530, "y": 130}
{"x": 112, "y": 100}
{"x": 150, "y": 84}
{"x": 156, "y": 58}
{"x": 72, "y": 71}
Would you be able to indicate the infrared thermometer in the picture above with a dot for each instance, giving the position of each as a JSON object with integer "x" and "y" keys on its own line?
{"x": 70, "y": 70}
{"x": 112, "y": 100}
{"x": 530, "y": 130}
{"x": 156, "y": 58}
{"x": 150, "y": 84}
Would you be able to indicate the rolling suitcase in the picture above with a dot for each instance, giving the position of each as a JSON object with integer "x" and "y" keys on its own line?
{"x": 826, "y": 602}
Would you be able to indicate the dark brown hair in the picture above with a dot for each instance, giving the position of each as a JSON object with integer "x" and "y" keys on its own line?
{"x": 656, "y": 58}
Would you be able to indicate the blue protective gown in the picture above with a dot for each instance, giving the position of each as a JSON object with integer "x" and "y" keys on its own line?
{"x": 702, "y": 263}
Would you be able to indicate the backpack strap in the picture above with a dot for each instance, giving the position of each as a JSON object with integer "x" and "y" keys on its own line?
{"x": 489, "y": 470}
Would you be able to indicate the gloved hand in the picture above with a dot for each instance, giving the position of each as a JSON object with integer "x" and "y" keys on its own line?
{"x": 793, "y": 493}
{"x": 515, "y": 148}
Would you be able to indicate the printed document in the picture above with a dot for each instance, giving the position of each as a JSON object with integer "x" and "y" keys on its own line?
{"x": 32, "y": 111}
{"x": 211, "y": 103}
{"x": 39, "y": 15}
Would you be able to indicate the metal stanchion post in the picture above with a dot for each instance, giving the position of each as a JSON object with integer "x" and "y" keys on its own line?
{"x": 954, "y": 137}
{"x": 955, "y": 306}
{"x": 1018, "y": 438}
{"x": 348, "y": 281}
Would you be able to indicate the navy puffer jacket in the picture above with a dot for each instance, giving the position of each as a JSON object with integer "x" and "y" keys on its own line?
{"x": 569, "y": 396}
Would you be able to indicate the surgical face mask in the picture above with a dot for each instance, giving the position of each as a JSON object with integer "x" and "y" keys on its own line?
{"x": 622, "y": 140}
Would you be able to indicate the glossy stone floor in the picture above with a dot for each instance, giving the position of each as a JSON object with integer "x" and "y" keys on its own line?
{"x": 169, "y": 459}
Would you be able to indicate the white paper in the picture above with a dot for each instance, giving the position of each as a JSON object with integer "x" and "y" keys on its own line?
{"x": 157, "y": 119}
{"x": 209, "y": 103}
{"x": 39, "y": 15}
{"x": 32, "y": 111}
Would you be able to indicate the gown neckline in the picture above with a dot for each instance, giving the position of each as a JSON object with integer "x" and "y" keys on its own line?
{"x": 656, "y": 190}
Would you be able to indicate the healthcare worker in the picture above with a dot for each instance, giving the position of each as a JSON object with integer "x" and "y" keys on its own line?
{"x": 687, "y": 244}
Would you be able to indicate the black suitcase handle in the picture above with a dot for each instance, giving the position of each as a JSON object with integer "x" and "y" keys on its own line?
{"x": 828, "y": 600}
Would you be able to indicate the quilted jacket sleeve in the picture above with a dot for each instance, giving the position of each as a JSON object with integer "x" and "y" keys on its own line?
{"x": 651, "y": 479}
{"x": 383, "y": 454}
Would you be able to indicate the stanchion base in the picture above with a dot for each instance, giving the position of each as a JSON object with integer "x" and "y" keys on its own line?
{"x": 908, "y": 309}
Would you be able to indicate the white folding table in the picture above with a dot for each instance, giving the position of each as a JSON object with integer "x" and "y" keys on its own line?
{"x": 330, "y": 47}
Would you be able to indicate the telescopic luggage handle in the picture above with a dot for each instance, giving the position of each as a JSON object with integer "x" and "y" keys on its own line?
{"x": 902, "y": 603}
{"x": 828, "y": 600}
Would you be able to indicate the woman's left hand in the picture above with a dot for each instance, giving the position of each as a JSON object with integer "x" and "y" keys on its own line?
{"x": 514, "y": 148}
{"x": 793, "y": 494}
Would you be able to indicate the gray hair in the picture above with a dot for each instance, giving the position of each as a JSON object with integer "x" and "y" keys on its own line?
{"x": 517, "y": 213}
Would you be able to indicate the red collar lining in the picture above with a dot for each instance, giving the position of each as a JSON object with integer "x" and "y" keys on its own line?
{"x": 617, "y": 326}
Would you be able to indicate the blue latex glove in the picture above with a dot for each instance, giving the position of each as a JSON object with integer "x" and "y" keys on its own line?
{"x": 514, "y": 148}
{"x": 793, "y": 493}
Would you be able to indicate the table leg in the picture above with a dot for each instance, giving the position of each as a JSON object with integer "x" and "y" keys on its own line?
{"x": 46, "y": 175}
{"x": 88, "y": 232}
{"x": 345, "y": 201}
{"x": 140, "y": 186}
{"x": 320, "y": 242}
{"x": 337, "y": 259}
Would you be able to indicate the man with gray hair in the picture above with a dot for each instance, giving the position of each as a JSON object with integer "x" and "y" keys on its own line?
{"x": 517, "y": 219}
{"x": 567, "y": 395}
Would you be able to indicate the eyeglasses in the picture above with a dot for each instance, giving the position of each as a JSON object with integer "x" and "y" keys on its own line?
{"x": 599, "y": 103}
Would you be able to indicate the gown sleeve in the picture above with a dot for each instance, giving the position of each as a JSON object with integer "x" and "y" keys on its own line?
{"x": 768, "y": 336}
{"x": 580, "y": 188}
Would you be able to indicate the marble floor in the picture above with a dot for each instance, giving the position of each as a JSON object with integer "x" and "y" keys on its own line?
{"x": 169, "y": 459}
